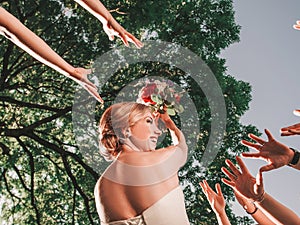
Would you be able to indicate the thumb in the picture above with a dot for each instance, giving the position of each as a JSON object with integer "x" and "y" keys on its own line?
{"x": 259, "y": 183}
{"x": 259, "y": 178}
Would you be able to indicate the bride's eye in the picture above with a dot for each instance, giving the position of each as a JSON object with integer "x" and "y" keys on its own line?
{"x": 149, "y": 120}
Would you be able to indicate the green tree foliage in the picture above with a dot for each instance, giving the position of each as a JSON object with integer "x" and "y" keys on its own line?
{"x": 44, "y": 177}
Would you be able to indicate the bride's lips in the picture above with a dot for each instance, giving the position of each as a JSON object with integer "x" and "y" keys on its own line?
{"x": 153, "y": 139}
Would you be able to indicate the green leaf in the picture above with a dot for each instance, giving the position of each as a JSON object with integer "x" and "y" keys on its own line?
{"x": 157, "y": 99}
{"x": 171, "y": 112}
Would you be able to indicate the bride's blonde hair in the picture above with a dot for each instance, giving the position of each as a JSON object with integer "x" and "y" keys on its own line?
{"x": 115, "y": 122}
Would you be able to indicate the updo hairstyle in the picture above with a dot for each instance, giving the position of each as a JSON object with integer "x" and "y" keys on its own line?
{"x": 114, "y": 123}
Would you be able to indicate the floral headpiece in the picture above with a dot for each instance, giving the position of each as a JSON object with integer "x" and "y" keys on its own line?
{"x": 162, "y": 96}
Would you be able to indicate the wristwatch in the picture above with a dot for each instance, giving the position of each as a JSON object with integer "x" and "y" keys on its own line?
{"x": 295, "y": 159}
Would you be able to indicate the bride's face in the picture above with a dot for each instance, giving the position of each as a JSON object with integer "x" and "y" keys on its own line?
{"x": 144, "y": 133}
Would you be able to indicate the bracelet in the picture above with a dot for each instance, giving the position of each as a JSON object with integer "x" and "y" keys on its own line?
{"x": 251, "y": 213}
{"x": 295, "y": 159}
{"x": 261, "y": 198}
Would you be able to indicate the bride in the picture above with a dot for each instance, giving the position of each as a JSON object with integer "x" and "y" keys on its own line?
{"x": 141, "y": 186}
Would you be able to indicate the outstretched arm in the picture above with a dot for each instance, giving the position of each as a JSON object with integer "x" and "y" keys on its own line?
{"x": 21, "y": 36}
{"x": 216, "y": 201}
{"x": 244, "y": 183}
{"x": 110, "y": 25}
{"x": 251, "y": 208}
{"x": 272, "y": 151}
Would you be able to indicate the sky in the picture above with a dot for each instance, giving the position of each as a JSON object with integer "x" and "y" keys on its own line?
{"x": 267, "y": 58}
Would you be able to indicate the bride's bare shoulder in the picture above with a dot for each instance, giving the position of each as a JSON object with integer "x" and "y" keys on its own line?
{"x": 147, "y": 157}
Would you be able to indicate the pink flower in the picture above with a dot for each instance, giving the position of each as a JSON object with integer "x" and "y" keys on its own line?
{"x": 147, "y": 91}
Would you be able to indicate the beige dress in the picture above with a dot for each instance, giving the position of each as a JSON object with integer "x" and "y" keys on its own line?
{"x": 169, "y": 210}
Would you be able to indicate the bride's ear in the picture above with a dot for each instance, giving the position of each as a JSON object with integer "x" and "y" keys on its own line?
{"x": 126, "y": 133}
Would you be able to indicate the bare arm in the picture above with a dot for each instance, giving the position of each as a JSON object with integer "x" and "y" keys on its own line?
{"x": 110, "y": 25}
{"x": 245, "y": 184}
{"x": 24, "y": 38}
{"x": 251, "y": 208}
{"x": 280, "y": 212}
{"x": 178, "y": 138}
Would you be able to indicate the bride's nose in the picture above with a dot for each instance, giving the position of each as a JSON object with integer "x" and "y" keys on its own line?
{"x": 157, "y": 130}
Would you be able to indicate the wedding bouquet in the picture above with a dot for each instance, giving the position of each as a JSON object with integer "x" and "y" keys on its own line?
{"x": 162, "y": 96}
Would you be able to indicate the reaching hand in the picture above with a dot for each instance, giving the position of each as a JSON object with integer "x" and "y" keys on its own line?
{"x": 80, "y": 75}
{"x": 113, "y": 28}
{"x": 291, "y": 130}
{"x": 216, "y": 200}
{"x": 272, "y": 151}
{"x": 242, "y": 181}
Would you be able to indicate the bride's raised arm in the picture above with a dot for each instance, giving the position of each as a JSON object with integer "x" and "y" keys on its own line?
{"x": 177, "y": 136}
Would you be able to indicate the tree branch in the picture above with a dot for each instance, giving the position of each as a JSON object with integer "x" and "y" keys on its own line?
{"x": 27, "y": 104}
{"x": 73, "y": 207}
{"x": 32, "y": 183}
{"x": 75, "y": 184}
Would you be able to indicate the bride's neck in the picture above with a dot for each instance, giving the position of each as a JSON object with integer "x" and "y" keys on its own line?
{"x": 128, "y": 146}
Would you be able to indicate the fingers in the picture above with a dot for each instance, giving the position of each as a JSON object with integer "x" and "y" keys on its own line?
{"x": 119, "y": 31}
{"x": 294, "y": 126}
{"x": 257, "y": 139}
{"x": 228, "y": 174}
{"x": 251, "y": 145}
{"x": 124, "y": 39}
{"x": 270, "y": 136}
{"x": 259, "y": 178}
{"x": 203, "y": 187}
{"x": 295, "y": 131}
{"x": 242, "y": 165}
{"x": 287, "y": 133}
{"x": 134, "y": 40}
{"x": 127, "y": 37}
{"x": 232, "y": 167}
{"x": 232, "y": 177}
{"x": 206, "y": 188}
{"x": 218, "y": 189}
{"x": 254, "y": 155}
{"x": 290, "y": 130}
{"x": 93, "y": 92}
{"x": 89, "y": 83}
{"x": 258, "y": 186}
{"x": 228, "y": 183}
